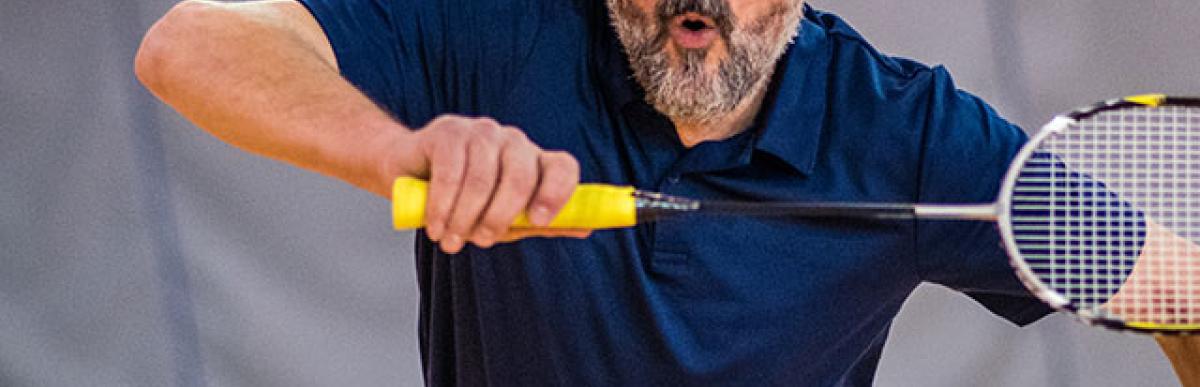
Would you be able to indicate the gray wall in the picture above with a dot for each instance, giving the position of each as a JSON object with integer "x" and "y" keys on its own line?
{"x": 135, "y": 250}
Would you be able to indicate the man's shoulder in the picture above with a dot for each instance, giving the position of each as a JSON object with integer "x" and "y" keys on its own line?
{"x": 852, "y": 53}
{"x": 872, "y": 94}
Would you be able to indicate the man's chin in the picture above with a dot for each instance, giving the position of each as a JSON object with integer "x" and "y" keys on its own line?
{"x": 711, "y": 57}
{"x": 700, "y": 108}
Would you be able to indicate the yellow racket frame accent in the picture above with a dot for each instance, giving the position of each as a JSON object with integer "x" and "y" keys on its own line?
{"x": 591, "y": 206}
{"x": 1162, "y": 327}
{"x": 1151, "y": 100}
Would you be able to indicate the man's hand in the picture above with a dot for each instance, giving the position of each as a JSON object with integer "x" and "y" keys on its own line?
{"x": 481, "y": 176}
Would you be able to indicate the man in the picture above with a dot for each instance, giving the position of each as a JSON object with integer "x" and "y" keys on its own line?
{"x": 505, "y": 105}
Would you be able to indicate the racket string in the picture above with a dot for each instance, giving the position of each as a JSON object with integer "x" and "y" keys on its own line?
{"x": 1081, "y": 207}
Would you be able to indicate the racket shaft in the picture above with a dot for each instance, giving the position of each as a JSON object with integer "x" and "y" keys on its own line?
{"x": 811, "y": 210}
{"x": 893, "y": 211}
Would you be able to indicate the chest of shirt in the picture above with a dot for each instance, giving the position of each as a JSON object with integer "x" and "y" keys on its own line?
{"x": 563, "y": 103}
{"x": 756, "y": 260}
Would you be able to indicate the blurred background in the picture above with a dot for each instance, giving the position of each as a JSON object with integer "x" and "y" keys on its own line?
{"x": 137, "y": 251}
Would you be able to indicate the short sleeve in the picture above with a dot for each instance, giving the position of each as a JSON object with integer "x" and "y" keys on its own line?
{"x": 966, "y": 151}
{"x": 418, "y": 59}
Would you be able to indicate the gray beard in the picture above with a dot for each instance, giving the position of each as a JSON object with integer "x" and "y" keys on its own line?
{"x": 686, "y": 91}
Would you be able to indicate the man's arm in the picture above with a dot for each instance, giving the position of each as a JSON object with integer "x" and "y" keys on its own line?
{"x": 1163, "y": 247}
{"x": 1150, "y": 288}
{"x": 263, "y": 77}
{"x": 1184, "y": 353}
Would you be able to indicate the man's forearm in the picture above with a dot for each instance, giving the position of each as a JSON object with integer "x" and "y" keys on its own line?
{"x": 262, "y": 77}
{"x": 1184, "y": 353}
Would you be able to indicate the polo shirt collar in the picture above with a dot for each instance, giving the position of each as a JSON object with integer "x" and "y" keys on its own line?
{"x": 794, "y": 109}
{"x": 788, "y": 127}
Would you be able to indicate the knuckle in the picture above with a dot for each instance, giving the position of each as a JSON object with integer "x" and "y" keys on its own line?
{"x": 520, "y": 181}
{"x": 487, "y": 122}
{"x": 438, "y": 148}
{"x": 446, "y": 179}
{"x": 455, "y": 132}
{"x": 571, "y": 170}
{"x": 567, "y": 176}
{"x": 487, "y": 125}
{"x": 478, "y": 177}
{"x": 562, "y": 177}
{"x": 435, "y": 211}
{"x": 554, "y": 196}
{"x": 569, "y": 161}
{"x": 515, "y": 135}
{"x": 441, "y": 143}
{"x": 445, "y": 122}
{"x": 561, "y": 159}
{"x": 556, "y": 190}
{"x": 437, "y": 214}
{"x": 483, "y": 142}
{"x": 513, "y": 154}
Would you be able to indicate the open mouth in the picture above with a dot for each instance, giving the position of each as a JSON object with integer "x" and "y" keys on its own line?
{"x": 693, "y": 30}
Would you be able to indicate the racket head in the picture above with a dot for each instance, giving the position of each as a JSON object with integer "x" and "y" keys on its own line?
{"x": 1085, "y": 197}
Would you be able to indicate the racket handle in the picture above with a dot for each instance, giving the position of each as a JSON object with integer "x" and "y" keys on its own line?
{"x": 591, "y": 206}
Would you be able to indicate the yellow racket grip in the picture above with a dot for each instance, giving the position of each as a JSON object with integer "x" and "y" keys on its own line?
{"x": 591, "y": 206}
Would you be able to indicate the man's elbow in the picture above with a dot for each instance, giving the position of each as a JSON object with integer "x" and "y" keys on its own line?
{"x": 170, "y": 39}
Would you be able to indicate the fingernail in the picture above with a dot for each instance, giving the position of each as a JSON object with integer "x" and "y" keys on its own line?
{"x": 434, "y": 231}
{"x": 452, "y": 244}
{"x": 540, "y": 216}
{"x": 484, "y": 238}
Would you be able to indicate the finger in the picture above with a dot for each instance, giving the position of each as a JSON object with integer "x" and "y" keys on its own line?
{"x": 518, "y": 179}
{"x": 560, "y": 175}
{"x": 478, "y": 184}
{"x": 447, "y": 163}
{"x": 529, "y": 232}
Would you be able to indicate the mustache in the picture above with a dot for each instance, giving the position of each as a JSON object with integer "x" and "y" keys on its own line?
{"x": 718, "y": 10}
{"x": 712, "y": 8}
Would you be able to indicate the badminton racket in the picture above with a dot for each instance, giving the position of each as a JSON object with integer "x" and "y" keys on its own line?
{"x": 1098, "y": 212}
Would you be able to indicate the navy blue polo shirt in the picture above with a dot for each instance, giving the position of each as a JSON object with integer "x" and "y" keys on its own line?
{"x": 697, "y": 300}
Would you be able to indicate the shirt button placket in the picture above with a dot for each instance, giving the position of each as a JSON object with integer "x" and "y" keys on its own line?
{"x": 668, "y": 248}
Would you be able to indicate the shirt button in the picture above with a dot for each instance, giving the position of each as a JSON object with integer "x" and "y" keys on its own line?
{"x": 673, "y": 180}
